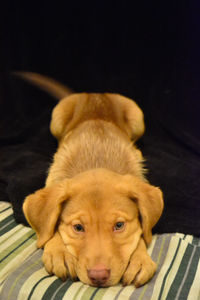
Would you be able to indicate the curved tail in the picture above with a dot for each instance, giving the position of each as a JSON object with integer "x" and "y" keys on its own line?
{"x": 49, "y": 85}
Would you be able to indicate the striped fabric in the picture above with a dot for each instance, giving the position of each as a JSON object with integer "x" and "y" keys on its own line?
{"x": 23, "y": 277}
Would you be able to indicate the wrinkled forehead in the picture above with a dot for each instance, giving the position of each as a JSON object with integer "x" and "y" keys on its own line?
{"x": 101, "y": 200}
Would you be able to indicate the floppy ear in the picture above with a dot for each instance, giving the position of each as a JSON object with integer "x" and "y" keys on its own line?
{"x": 150, "y": 204}
{"x": 42, "y": 210}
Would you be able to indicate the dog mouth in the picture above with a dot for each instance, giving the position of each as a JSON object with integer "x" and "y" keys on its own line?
{"x": 94, "y": 283}
{"x": 99, "y": 285}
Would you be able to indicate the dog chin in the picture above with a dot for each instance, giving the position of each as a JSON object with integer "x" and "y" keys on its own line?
{"x": 103, "y": 285}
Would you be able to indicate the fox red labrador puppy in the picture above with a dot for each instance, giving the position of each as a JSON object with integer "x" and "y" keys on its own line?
{"x": 94, "y": 217}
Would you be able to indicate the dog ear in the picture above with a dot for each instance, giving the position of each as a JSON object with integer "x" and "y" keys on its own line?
{"x": 149, "y": 200}
{"x": 42, "y": 210}
{"x": 150, "y": 204}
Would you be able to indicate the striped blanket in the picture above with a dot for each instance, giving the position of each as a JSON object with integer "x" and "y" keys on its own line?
{"x": 23, "y": 277}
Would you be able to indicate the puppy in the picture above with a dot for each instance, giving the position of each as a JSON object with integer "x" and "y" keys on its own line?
{"x": 94, "y": 217}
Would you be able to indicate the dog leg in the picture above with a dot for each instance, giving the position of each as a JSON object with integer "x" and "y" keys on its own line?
{"x": 57, "y": 259}
{"x": 141, "y": 267}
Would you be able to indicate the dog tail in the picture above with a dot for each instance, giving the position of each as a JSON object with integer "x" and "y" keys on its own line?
{"x": 49, "y": 85}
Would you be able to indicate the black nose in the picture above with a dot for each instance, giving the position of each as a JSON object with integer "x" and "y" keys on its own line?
{"x": 98, "y": 276}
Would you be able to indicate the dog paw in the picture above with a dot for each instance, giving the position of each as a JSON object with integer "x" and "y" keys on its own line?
{"x": 57, "y": 260}
{"x": 140, "y": 270}
{"x": 54, "y": 262}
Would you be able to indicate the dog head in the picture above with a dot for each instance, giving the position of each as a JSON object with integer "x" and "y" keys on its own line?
{"x": 100, "y": 216}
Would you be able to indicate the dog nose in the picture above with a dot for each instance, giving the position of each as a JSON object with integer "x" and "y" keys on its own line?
{"x": 99, "y": 275}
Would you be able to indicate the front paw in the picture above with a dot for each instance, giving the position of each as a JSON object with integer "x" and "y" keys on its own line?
{"x": 54, "y": 261}
{"x": 57, "y": 260}
{"x": 140, "y": 270}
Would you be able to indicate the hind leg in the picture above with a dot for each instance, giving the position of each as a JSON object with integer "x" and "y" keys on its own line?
{"x": 132, "y": 116}
{"x": 62, "y": 115}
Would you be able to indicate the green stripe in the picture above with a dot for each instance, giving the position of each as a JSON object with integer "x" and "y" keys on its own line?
{"x": 20, "y": 241}
{"x": 14, "y": 233}
{"x": 18, "y": 278}
{"x": 51, "y": 290}
{"x": 161, "y": 250}
{"x": 7, "y": 224}
{"x": 15, "y": 249}
{"x": 190, "y": 275}
{"x": 180, "y": 273}
{"x": 118, "y": 294}
{"x": 170, "y": 267}
{"x": 88, "y": 293}
{"x": 143, "y": 291}
{"x": 34, "y": 287}
{"x": 6, "y": 220}
{"x": 195, "y": 241}
{"x": 61, "y": 292}
{"x": 77, "y": 292}
{"x": 8, "y": 227}
{"x": 99, "y": 293}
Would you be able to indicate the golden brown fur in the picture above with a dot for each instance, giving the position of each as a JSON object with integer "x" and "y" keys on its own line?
{"x": 96, "y": 180}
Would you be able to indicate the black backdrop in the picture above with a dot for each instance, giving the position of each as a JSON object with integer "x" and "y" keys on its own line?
{"x": 147, "y": 51}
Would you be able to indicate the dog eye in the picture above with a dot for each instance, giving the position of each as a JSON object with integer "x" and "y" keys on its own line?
{"x": 119, "y": 226}
{"x": 78, "y": 228}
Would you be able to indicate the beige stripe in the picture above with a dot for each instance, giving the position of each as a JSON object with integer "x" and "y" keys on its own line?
{"x": 72, "y": 290}
{"x": 6, "y": 214}
{"x": 194, "y": 293}
{"x": 161, "y": 250}
{"x": 16, "y": 261}
{"x": 112, "y": 292}
{"x": 8, "y": 234}
{"x": 82, "y": 291}
{"x": 180, "y": 235}
{"x": 16, "y": 248}
{"x": 127, "y": 291}
{"x": 15, "y": 237}
{"x": 31, "y": 281}
{"x": 4, "y": 205}
{"x": 18, "y": 277}
{"x": 169, "y": 257}
{"x": 188, "y": 238}
{"x": 42, "y": 286}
